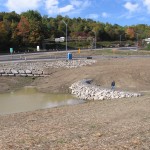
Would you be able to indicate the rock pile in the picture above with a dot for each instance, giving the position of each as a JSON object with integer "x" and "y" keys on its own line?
{"x": 69, "y": 63}
{"x": 37, "y": 68}
{"x": 24, "y": 73}
{"x": 85, "y": 90}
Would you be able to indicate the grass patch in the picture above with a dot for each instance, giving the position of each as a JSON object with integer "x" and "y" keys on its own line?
{"x": 119, "y": 52}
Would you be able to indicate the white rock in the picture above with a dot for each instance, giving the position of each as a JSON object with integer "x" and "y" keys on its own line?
{"x": 11, "y": 74}
{"x": 28, "y": 71}
{"x": 13, "y": 71}
{"x": 2, "y": 71}
{"x": 8, "y": 71}
{"x": 21, "y": 71}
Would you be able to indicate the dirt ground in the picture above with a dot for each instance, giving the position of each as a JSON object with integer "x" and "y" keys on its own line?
{"x": 129, "y": 73}
{"x": 122, "y": 124}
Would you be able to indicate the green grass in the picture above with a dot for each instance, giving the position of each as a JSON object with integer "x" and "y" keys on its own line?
{"x": 120, "y": 52}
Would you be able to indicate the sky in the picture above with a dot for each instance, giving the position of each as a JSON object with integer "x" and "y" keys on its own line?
{"x": 121, "y": 12}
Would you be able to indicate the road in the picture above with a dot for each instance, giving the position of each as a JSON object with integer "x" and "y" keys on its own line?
{"x": 47, "y": 56}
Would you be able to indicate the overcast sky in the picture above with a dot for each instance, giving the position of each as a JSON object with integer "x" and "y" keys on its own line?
{"x": 122, "y": 12}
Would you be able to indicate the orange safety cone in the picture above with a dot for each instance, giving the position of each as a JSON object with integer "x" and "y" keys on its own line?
{"x": 79, "y": 51}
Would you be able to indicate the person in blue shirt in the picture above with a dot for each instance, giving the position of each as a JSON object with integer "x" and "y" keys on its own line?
{"x": 113, "y": 85}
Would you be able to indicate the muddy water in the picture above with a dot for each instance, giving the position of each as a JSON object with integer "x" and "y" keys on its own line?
{"x": 29, "y": 99}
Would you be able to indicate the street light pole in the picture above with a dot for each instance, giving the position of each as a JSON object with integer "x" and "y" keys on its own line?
{"x": 95, "y": 39}
{"x": 66, "y": 32}
{"x": 137, "y": 40}
{"x": 120, "y": 39}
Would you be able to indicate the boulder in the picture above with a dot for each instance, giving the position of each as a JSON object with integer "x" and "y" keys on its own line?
{"x": 13, "y": 71}
{"x": 2, "y": 71}
{"x": 28, "y": 71}
{"x": 8, "y": 71}
{"x": 21, "y": 71}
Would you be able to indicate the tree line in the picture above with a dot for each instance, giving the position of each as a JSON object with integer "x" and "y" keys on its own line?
{"x": 30, "y": 29}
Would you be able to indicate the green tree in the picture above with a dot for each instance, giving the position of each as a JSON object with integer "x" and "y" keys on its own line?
{"x": 36, "y": 35}
{"x": 32, "y": 15}
{"x": 4, "y": 36}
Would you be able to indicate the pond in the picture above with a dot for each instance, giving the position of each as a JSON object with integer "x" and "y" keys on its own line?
{"x": 29, "y": 99}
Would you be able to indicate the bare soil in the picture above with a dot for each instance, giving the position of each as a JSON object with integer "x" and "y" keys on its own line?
{"x": 122, "y": 124}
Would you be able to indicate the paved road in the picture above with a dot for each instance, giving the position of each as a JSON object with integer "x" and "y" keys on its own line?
{"x": 128, "y": 48}
{"x": 46, "y": 56}
{"x": 43, "y": 56}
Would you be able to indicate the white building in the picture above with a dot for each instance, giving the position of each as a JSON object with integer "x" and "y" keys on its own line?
{"x": 61, "y": 39}
{"x": 147, "y": 40}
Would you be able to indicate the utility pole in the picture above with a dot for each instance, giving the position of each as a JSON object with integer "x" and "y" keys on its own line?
{"x": 137, "y": 40}
{"x": 66, "y": 32}
{"x": 95, "y": 39}
{"x": 120, "y": 39}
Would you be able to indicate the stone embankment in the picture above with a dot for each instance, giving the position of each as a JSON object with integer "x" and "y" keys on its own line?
{"x": 39, "y": 68}
{"x": 85, "y": 90}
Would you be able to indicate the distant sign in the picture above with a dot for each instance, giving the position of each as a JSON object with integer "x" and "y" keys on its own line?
{"x": 38, "y": 48}
{"x": 11, "y": 50}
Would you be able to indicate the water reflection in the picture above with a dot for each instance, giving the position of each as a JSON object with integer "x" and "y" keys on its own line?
{"x": 29, "y": 99}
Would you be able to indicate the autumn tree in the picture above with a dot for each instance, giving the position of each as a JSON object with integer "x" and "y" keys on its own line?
{"x": 4, "y": 34}
{"x": 14, "y": 37}
{"x": 23, "y": 29}
{"x": 130, "y": 32}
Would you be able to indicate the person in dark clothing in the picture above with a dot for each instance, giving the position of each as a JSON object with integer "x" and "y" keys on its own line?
{"x": 113, "y": 85}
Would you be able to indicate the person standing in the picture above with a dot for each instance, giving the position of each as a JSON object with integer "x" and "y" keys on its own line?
{"x": 113, "y": 85}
